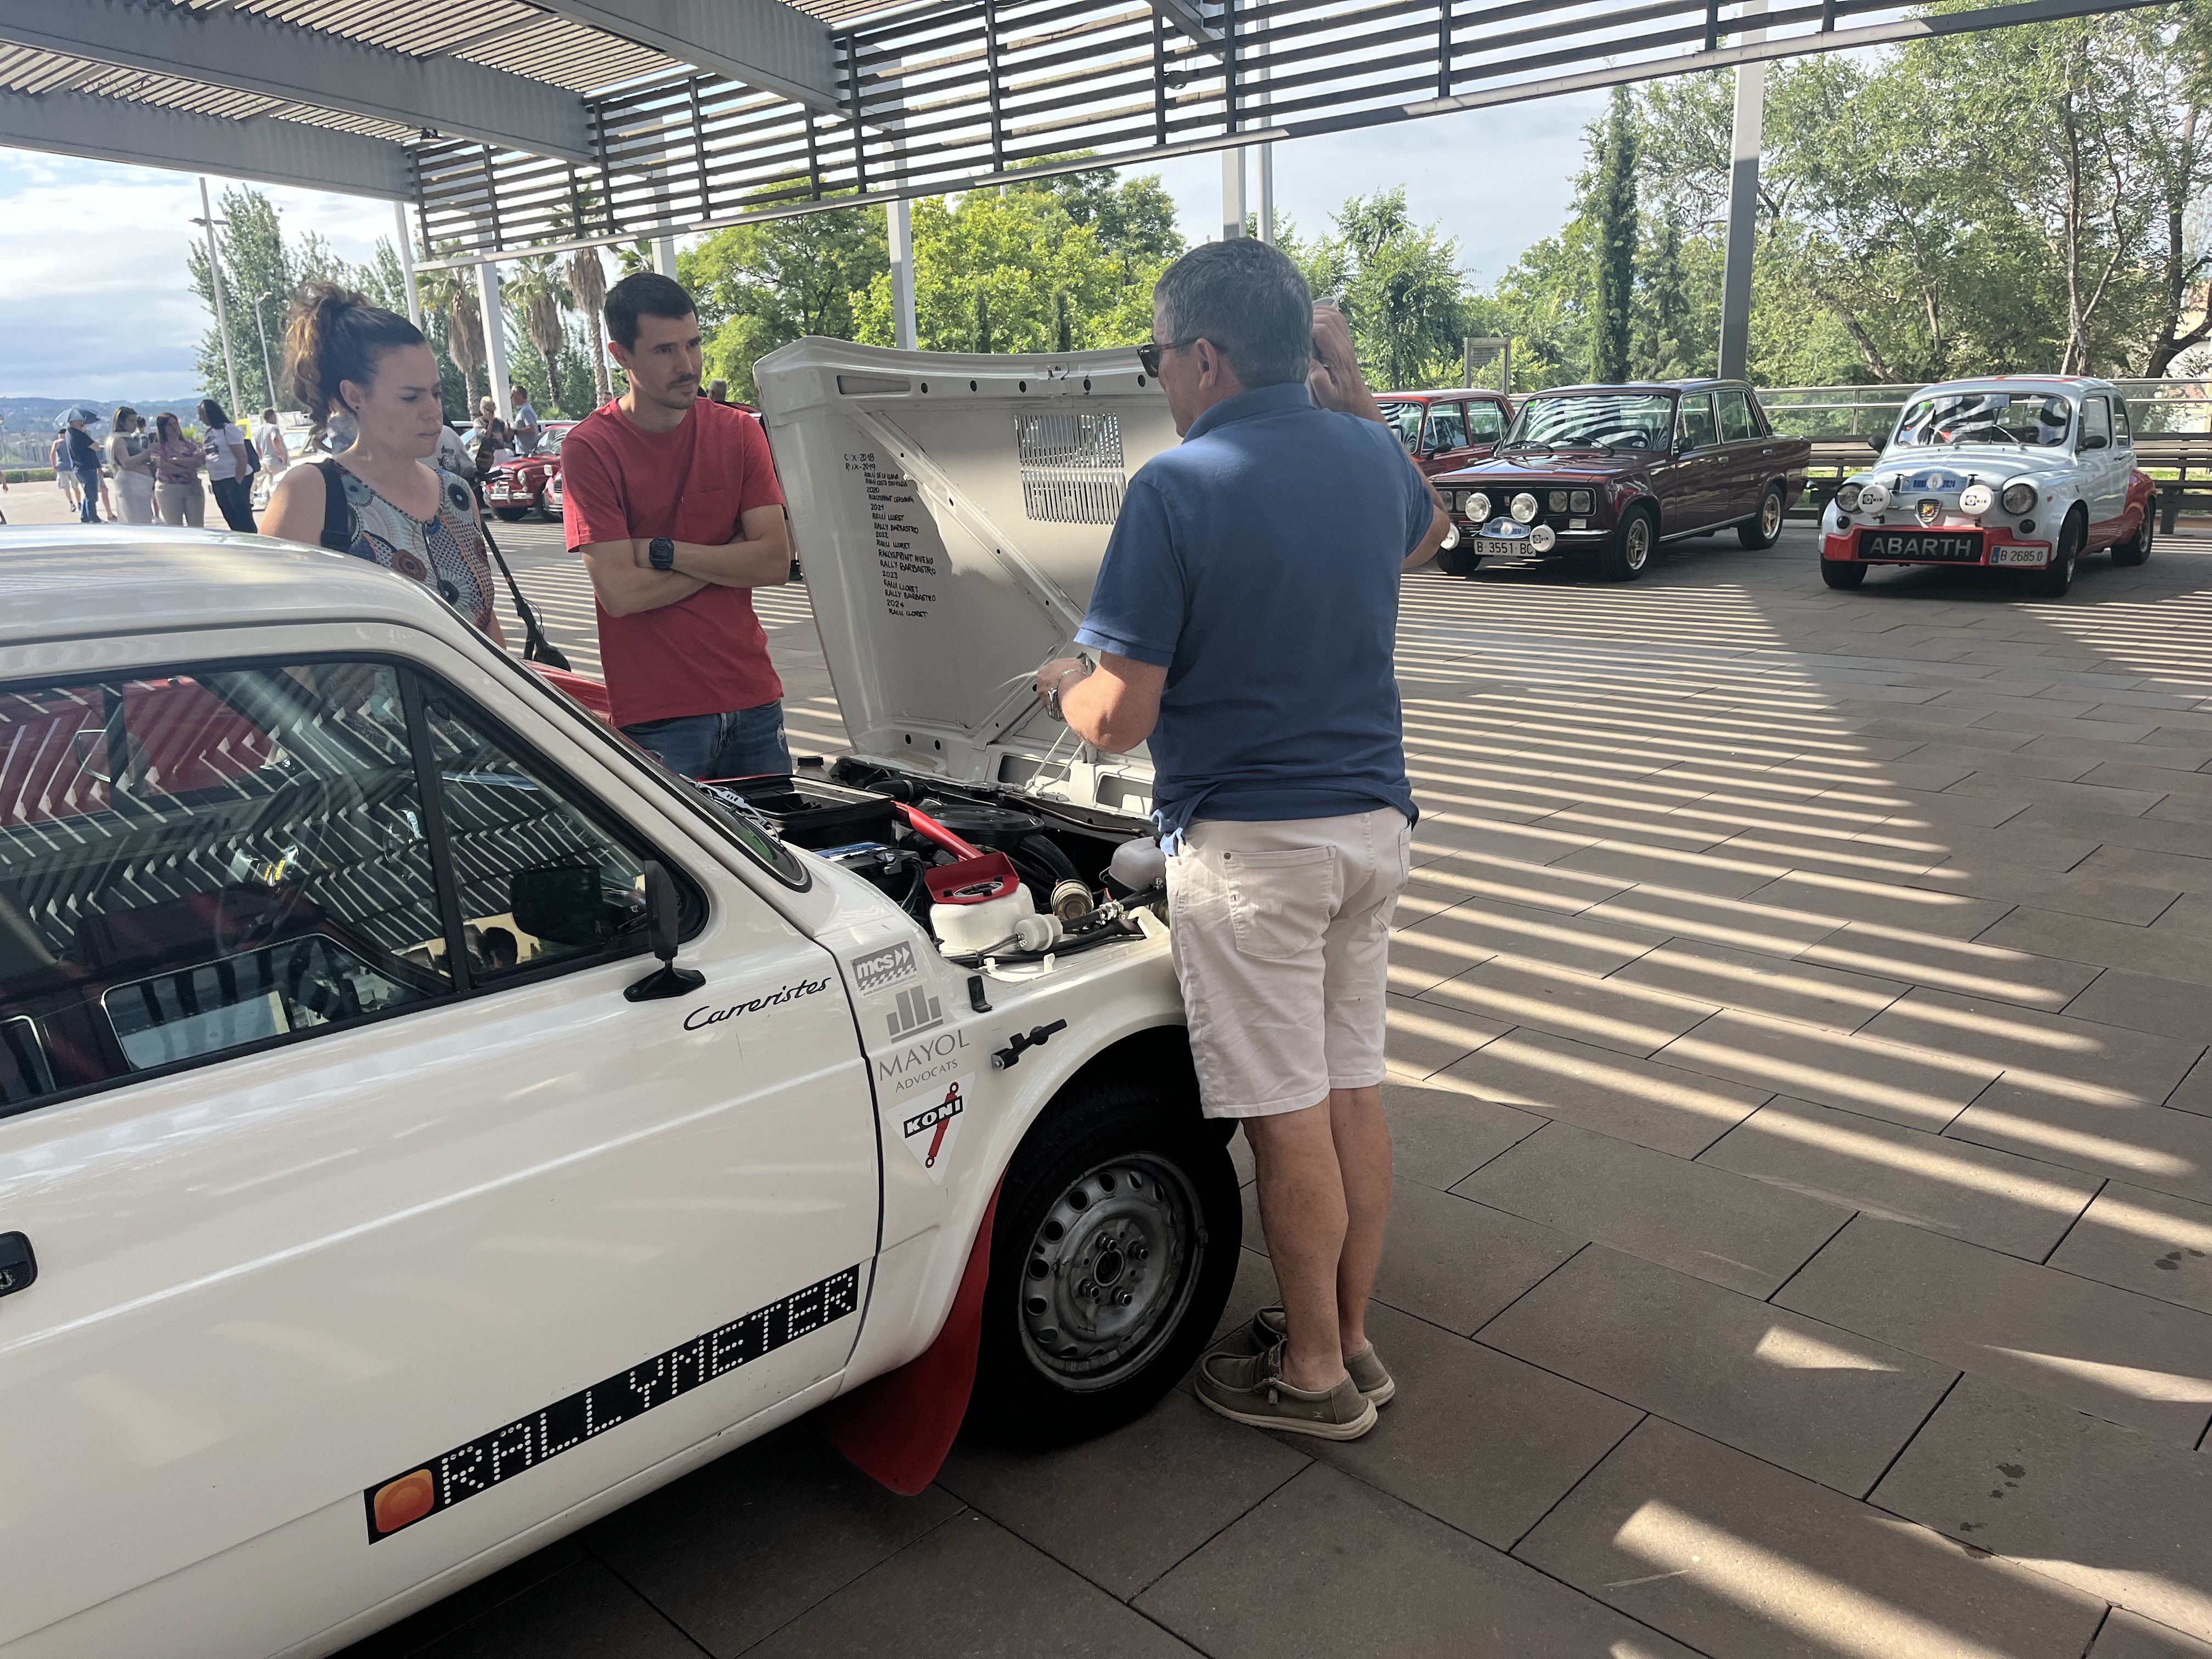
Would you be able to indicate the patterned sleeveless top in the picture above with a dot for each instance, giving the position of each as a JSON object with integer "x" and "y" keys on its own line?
{"x": 445, "y": 553}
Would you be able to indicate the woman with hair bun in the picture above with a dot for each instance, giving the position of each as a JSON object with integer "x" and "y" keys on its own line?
{"x": 375, "y": 499}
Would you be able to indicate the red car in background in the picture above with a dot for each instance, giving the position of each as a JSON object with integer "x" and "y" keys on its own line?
{"x": 514, "y": 488}
{"x": 1443, "y": 430}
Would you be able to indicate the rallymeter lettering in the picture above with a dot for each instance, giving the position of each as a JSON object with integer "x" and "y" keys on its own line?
{"x": 516, "y": 1448}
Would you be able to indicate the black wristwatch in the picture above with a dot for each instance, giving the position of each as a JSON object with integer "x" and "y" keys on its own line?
{"x": 662, "y": 553}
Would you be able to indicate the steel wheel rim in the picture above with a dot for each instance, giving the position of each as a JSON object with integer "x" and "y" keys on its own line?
{"x": 1110, "y": 1272}
{"x": 1770, "y": 516}
{"x": 1639, "y": 543}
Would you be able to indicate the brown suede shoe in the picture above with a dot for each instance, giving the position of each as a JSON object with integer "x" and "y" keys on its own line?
{"x": 1272, "y": 1325}
{"x": 1250, "y": 1388}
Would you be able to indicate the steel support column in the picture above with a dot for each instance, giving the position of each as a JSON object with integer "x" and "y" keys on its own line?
{"x": 901, "y": 249}
{"x": 494, "y": 333}
{"x": 1743, "y": 204}
{"x": 406, "y": 240}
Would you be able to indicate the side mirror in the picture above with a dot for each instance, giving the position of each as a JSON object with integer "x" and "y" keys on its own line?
{"x": 663, "y": 927}
{"x": 2090, "y": 440}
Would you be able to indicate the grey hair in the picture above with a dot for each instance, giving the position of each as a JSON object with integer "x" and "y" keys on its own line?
{"x": 1246, "y": 298}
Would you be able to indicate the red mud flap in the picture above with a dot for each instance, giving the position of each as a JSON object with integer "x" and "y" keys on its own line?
{"x": 898, "y": 1428}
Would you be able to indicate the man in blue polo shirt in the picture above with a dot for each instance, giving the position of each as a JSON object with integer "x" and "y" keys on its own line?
{"x": 1244, "y": 620}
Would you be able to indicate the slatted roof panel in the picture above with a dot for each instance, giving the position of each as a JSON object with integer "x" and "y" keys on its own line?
{"x": 29, "y": 70}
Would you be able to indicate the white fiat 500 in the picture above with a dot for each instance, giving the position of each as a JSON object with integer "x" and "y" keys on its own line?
{"x": 374, "y": 1208}
{"x": 2021, "y": 472}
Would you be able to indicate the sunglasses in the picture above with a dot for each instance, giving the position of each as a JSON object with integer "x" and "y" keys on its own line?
{"x": 1148, "y": 353}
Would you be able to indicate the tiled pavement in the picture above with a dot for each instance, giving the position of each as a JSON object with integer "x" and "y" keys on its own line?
{"x": 1804, "y": 1241}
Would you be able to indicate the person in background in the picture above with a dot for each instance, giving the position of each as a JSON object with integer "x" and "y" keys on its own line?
{"x": 82, "y": 456}
{"x": 130, "y": 452}
{"x": 717, "y": 391}
{"x": 527, "y": 428}
{"x": 1245, "y": 619}
{"x": 177, "y": 460}
{"x": 230, "y": 469}
{"x": 489, "y": 437}
{"x": 673, "y": 503}
{"x": 275, "y": 458}
{"x": 377, "y": 498}
{"x": 65, "y": 478}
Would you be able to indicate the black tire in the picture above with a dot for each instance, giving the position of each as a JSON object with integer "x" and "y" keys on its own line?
{"x": 1128, "y": 1173}
{"x": 1762, "y": 533}
{"x": 1627, "y": 555}
{"x": 2053, "y": 581}
{"x": 1457, "y": 561}
{"x": 508, "y": 514}
{"x": 1837, "y": 574}
{"x": 2136, "y": 548}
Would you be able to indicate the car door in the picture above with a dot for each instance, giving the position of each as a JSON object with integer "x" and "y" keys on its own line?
{"x": 1686, "y": 480}
{"x": 1742, "y": 473}
{"x": 374, "y": 1223}
{"x": 2104, "y": 467}
{"x": 1487, "y": 420}
{"x": 1444, "y": 444}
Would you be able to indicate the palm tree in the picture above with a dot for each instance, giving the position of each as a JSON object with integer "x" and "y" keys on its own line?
{"x": 587, "y": 284}
{"x": 452, "y": 293}
{"x": 542, "y": 298}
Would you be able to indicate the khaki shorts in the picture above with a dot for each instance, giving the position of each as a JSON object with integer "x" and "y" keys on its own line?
{"x": 1282, "y": 942}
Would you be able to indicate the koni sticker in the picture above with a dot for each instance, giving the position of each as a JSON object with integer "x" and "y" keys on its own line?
{"x": 930, "y": 1133}
{"x": 479, "y": 1465}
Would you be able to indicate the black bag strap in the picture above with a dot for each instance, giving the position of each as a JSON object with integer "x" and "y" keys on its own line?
{"x": 536, "y": 647}
{"x": 337, "y": 511}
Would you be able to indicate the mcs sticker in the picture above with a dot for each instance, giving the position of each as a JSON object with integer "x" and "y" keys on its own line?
{"x": 929, "y": 1134}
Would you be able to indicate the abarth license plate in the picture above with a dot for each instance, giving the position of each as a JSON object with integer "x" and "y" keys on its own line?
{"x": 2034, "y": 556}
{"x": 1943, "y": 547}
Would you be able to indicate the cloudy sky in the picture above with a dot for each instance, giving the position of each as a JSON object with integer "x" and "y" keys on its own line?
{"x": 94, "y": 303}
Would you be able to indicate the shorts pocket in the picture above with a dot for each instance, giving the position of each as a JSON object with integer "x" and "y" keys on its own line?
{"x": 1279, "y": 901}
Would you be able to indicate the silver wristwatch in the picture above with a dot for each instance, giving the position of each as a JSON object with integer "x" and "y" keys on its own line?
{"x": 1052, "y": 692}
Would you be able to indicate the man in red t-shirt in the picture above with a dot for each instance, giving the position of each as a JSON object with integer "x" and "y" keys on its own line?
{"x": 672, "y": 500}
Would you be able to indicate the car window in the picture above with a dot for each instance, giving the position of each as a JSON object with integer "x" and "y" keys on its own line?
{"x": 1447, "y": 426}
{"x": 1991, "y": 415}
{"x": 2096, "y": 424}
{"x": 1403, "y": 416}
{"x": 1697, "y": 431}
{"x": 1485, "y": 423}
{"x": 1595, "y": 420}
{"x": 538, "y": 880}
{"x": 192, "y": 863}
{"x": 1736, "y": 423}
{"x": 2121, "y": 434}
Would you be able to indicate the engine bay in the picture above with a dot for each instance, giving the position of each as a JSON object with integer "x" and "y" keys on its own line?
{"x": 997, "y": 877}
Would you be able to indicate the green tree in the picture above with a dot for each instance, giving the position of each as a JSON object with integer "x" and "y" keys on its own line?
{"x": 1612, "y": 204}
{"x": 1010, "y": 269}
{"x": 1400, "y": 285}
{"x": 763, "y": 285}
{"x": 536, "y": 297}
{"x": 260, "y": 269}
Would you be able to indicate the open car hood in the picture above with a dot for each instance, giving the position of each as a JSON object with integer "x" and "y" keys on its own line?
{"x": 951, "y": 512}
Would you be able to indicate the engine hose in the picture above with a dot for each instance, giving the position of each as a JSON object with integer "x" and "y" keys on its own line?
{"x": 1067, "y": 947}
{"x": 930, "y": 830}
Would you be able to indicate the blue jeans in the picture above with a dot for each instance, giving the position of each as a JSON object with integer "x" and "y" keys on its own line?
{"x": 743, "y": 744}
{"x": 89, "y": 482}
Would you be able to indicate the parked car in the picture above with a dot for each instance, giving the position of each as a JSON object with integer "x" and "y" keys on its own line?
{"x": 2006, "y": 472}
{"x": 1601, "y": 476}
{"x": 375, "y": 1209}
{"x": 515, "y": 486}
{"x": 1443, "y": 430}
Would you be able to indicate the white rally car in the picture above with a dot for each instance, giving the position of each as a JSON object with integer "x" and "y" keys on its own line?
{"x": 374, "y": 1209}
{"x": 2009, "y": 471}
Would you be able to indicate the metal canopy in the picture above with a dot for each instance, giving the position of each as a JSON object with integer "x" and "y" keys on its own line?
{"x": 526, "y": 125}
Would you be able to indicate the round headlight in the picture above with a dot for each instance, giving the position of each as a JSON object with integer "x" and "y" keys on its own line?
{"x": 1450, "y": 540}
{"x": 1847, "y": 498}
{"x": 1580, "y": 501}
{"x": 2019, "y": 497}
{"x": 1478, "y": 506}
{"x": 1524, "y": 509}
{"x": 1976, "y": 499}
{"x": 1543, "y": 539}
{"x": 1872, "y": 497}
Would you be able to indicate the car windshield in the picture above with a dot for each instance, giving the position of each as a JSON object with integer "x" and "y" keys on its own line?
{"x": 2034, "y": 418}
{"x": 1595, "y": 420}
{"x": 1404, "y": 418}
